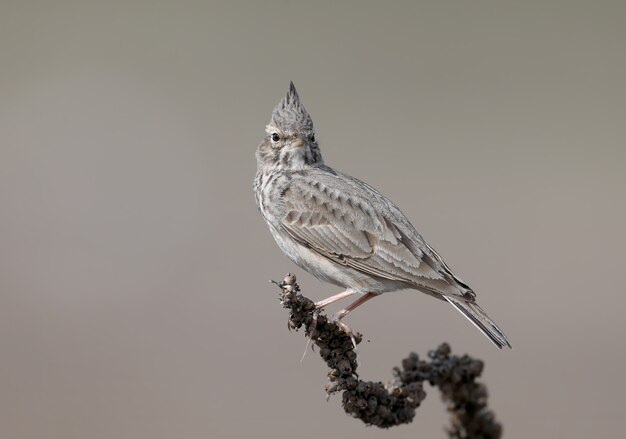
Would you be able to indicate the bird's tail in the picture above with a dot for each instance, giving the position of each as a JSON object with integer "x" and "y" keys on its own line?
{"x": 481, "y": 320}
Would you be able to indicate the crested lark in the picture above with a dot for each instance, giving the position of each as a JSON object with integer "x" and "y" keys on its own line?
{"x": 344, "y": 231}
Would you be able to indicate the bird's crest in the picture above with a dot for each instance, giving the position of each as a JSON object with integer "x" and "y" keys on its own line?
{"x": 290, "y": 114}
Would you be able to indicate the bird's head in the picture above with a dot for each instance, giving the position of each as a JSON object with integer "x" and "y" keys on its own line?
{"x": 290, "y": 141}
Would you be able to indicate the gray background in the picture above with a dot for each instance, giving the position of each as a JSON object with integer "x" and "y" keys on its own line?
{"x": 134, "y": 300}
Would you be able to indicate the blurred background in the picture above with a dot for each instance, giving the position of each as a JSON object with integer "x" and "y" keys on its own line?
{"x": 134, "y": 267}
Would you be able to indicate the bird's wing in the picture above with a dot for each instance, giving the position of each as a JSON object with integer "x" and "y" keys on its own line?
{"x": 343, "y": 219}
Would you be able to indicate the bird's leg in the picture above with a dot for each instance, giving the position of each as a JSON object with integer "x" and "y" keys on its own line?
{"x": 332, "y": 299}
{"x": 344, "y": 312}
{"x": 325, "y": 302}
{"x": 360, "y": 301}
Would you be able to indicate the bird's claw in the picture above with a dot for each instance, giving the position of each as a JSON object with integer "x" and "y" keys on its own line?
{"x": 312, "y": 329}
{"x": 347, "y": 330}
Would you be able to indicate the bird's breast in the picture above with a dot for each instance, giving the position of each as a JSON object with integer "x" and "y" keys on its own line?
{"x": 268, "y": 188}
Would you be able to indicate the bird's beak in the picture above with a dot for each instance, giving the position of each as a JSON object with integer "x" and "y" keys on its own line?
{"x": 298, "y": 143}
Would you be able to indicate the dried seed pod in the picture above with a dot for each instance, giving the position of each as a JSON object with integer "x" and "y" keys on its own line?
{"x": 394, "y": 404}
{"x": 290, "y": 279}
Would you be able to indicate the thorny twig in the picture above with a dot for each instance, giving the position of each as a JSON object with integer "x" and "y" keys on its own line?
{"x": 386, "y": 405}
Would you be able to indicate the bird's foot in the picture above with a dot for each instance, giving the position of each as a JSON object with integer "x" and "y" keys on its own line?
{"x": 312, "y": 328}
{"x": 346, "y": 329}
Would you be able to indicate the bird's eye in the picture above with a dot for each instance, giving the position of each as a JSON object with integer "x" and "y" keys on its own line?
{"x": 275, "y": 137}
{"x": 313, "y": 138}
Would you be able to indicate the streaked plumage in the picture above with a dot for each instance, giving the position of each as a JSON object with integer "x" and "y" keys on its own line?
{"x": 342, "y": 230}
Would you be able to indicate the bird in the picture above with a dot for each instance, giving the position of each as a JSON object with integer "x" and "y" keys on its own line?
{"x": 342, "y": 230}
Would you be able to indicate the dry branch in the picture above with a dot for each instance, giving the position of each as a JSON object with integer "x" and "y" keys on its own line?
{"x": 386, "y": 405}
